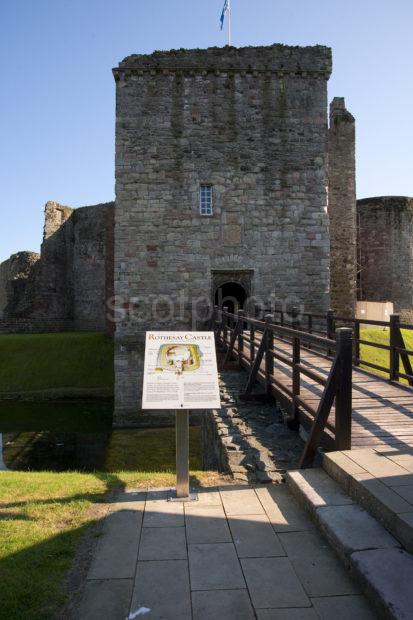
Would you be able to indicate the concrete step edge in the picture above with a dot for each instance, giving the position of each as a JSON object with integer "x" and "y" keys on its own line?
{"x": 370, "y": 501}
{"x": 384, "y": 571}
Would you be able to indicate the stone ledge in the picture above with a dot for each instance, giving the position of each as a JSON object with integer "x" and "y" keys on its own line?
{"x": 379, "y": 499}
{"x": 386, "y": 576}
{"x": 373, "y": 556}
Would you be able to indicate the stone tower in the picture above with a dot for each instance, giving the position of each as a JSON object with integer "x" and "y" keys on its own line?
{"x": 221, "y": 176}
{"x": 385, "y": 250}
{"x": 342, "y": 209}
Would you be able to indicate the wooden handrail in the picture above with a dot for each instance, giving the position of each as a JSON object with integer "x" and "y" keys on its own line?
{"x": 261, "y": 364}
{"x": 311, "y": 338}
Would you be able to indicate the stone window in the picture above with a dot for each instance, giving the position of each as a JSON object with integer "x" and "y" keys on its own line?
{"x": 205, "y": 200}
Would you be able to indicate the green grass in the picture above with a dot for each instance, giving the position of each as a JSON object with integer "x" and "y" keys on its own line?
{"x": 44, "y": 515}
{"x": 380, "y": 356}
{"x": 31, "y": 362}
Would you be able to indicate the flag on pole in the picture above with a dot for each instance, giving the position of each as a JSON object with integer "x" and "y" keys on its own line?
{"x": 224, "y": 10}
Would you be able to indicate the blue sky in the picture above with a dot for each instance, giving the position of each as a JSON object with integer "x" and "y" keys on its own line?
{"x": 57, "y": 107}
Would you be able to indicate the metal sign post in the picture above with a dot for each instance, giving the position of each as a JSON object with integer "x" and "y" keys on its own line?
{"x": 182, "y": 453}
{"x": 182, "y": 458}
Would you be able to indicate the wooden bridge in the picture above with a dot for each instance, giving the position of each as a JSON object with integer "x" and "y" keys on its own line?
{"x": 318, "y": 380}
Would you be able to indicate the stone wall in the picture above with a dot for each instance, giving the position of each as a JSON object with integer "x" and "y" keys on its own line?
{"x": 385, "y": 246}
{"x": 252, "y": 123}
{"x": 14, "y": 275}
{"x": 342, "y": 209}
{"x": 67, "y": 286}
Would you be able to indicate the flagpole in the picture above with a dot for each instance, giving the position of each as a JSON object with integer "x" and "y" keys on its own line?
{"x": 229, "y": 22}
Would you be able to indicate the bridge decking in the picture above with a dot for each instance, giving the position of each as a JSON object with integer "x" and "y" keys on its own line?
{"x": 382, "y": 411}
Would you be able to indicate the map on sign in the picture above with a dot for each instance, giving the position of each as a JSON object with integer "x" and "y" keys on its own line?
{"x": 180, "y": 371}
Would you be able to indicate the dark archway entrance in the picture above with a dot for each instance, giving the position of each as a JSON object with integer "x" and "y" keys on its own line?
{"x": 232, "y": 295}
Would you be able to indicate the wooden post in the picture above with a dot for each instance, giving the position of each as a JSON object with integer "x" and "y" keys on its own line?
{"x": 330, "y": 324}
{"x": 269, "y": 360}
{"x": 214, "y": 318}
{"x": 240, "y": 336}
{"x": 356, "y": 342}
{"x": 295, "y": 322}
{"x": 344, "y": 389}
{"x": 224, "y": 325}
{"x": 330, "y": 327}
{"x": 252, "y": 342}
{"x": 394, "y": 342}
{"x": 296, "y": 382}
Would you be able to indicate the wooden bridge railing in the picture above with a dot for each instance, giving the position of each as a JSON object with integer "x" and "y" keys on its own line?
{"x": 326, "y": 325}
{"x": 254, "y": 344}
{"x": 397, "y": 348}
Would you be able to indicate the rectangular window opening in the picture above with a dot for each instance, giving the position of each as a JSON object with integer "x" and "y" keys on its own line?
{"x": 205, "y": 200}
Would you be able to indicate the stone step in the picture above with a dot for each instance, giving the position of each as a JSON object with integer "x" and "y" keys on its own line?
{"x": 374, "y": 557}
{"x": 385, "y": 495}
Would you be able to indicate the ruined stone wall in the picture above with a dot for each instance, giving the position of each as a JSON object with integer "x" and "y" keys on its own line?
{"x": 67, "y": 285}
{"x": 14, "y": 275}
{"x": 342, "y": 209}
{"x": 51, "y": 294}
{"x": 89, "y": 265}
{"x": 385, "y": 246}
{"x": 251, "y": 122}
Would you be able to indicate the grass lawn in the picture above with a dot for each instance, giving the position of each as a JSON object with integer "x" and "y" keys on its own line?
{"x": 43, "y": 516}
{"x": 52, "y": 361}
{"x": 380, "y": 356}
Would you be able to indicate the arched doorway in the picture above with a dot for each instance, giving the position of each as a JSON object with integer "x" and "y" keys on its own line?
{"x": 232, "y": 295}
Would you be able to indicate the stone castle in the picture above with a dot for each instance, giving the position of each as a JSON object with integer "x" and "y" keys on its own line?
{"x": 230, "y": 180}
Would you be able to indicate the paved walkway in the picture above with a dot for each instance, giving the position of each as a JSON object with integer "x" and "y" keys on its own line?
{"x": 237, "y": 553}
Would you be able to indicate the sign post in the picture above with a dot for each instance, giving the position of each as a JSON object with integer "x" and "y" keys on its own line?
{"x": 180, "y": 373}
{"x": 182, "y": 453}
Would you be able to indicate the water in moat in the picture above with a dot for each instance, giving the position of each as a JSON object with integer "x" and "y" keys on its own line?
{"x": 72, "y": 436}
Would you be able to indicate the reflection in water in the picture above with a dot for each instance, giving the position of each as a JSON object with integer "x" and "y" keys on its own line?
{"x": 78, "y": 436}
{"x": 56, "y": 451}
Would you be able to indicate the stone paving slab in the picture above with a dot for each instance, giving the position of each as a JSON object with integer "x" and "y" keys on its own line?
{"x": 222, "y": 604}
{"x": 343, "y": 608}
{"x": 272, "y": 582}
{"x": 255, "y": 537}
{"x": 214, "y": 567}
{"x": 106, "y": 599}
{"x": 206, "y": 524}
{"x": 282, "y": 509}
{"x": 287, "y": 614}
{"x": 241, "y": 501}
{"x": 163, "y": 588}
{"x": 163, "y": 543}
{"x": 316, "y": 565}
{"x": 117, "y": 549}
{"x": 161, "y": 513}
{"x": 202, "y": 560}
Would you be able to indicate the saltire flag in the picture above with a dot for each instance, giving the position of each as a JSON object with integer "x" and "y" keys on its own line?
{"x": 224, "y": 10}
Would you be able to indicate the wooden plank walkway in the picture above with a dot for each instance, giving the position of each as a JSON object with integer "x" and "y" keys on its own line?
{"x": 382, "y": 411}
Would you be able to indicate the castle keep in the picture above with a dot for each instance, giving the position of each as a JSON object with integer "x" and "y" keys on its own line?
{"x": 221, "y": 177}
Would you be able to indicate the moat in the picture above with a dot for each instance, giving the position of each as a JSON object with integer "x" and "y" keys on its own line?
{"x": 78, "y": 436}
